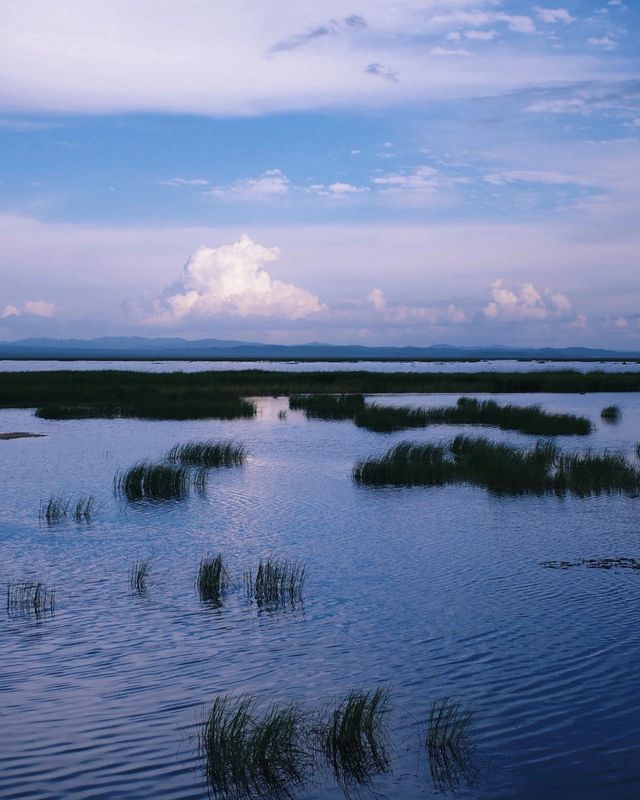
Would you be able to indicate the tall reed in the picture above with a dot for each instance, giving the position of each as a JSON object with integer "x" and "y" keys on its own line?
{"x": 55, "y": 509}
{"x": 149, "y": 480}
{"x": 449, "y": 745}
{"x": 30, "y": 597}
{"x": 276, "y": 582}
{"x": 248, "y": 754}
{"x": 212, "y": 579}
{"x": 208, "y": 454}
{"x": 138, "y": 576}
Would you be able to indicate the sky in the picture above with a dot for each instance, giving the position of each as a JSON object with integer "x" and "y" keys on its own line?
{"x": 406, "y": 172}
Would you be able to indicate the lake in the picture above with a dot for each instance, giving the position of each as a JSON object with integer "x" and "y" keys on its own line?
{"x": 436, "y": 592}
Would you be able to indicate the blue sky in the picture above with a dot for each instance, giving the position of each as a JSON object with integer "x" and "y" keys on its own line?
{"x": 403, "y": 172}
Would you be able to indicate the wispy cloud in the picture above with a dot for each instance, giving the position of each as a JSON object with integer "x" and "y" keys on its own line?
{"x": 382, "y": 72}
{"x": 554, "y": 15}
{"x": 331, "y": 28}
{"x": 185, "y": 182}
{"x": 271, "y": 184}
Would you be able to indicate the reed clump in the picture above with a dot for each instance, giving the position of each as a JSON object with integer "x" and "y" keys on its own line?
{"x": 30, "y": 597}
{"x": 276, "y": 582}
{"x": 611, "y": 413}
{"x": 248, "y": 753}
{"x": 149, "y": 480}
{"x": 353, "y": 736}
{"x": 55, "y": 509}
{"x": 500, "y": 468}
{"x": 84, "y": 508}
{"x": 468, "y": 411}
{"x": 449, "y": 745}
{"x": 208, "y": 454}
{"x": 328, "y": 406}
{"x": 138, "y": 576}
{"x": 212, "y": 579}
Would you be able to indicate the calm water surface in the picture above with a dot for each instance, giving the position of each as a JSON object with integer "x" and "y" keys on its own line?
{"x": 435, "y": 591}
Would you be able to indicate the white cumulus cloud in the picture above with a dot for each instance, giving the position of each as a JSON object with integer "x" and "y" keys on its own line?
{"x": 526, "y": 303}
{"x": 232, "y": 279}
{"x": 406, "y": 315}
{"x": 31, "y": 308}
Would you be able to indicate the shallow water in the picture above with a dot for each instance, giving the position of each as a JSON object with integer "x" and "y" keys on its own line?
{"x": 324, "y": 366}
{"x": 435, "y": 591}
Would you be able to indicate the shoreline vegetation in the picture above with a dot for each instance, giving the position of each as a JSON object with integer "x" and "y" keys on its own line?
{"x": 222, "y": 394}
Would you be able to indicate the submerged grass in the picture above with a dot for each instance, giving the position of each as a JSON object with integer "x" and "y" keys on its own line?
{"x": 30, "y": 597}
{"x": 353, "y": 736}
{"x": 616, "y": 562}
{"x": 138, "y": 575}
{"x": 328, "y": 406}
{"x": 468, "y": 411}
{"x": 251, "y": 754}
{"x": 208, "y": 454}
{"x": 276, "y": 582}
{"x": 149, "y": 480}
{"x": 500, "y": 468}
{"x": 212, "y": 578}
{"x": 448, "y": 743}
{"x": 611, "y": 413}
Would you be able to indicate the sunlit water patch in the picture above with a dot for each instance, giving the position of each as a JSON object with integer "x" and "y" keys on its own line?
{"x": 433, "y": 592}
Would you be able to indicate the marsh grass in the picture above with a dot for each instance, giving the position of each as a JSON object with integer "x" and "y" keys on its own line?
{"x": 55, "y": 509}
{"x": 248, "y": 753}
{"x": 276, "y": 582}
{"x": 208, "y": 454}
{"x": 449, "y": 745}
{"x": 353, "y": 736}
{"x": 468, "y": 411}
{"x": 212, "y": 579}
{"x": 84, "y": 508}
{"x": 500, "y": 468}
{"x": 611, "y": 413}
{"x": 30, "y": 597}
{"x": 149, "y": 480}
{"x": 328, "y": 406}
{"x": 618, "y": 562}
{"x": 138, "y": 576}
{"x": 152, "y": 406}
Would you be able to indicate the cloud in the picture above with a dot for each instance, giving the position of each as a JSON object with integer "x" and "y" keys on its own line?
{"x": 407, "y": 315}
{"x": 271, "y": 184}
{"x": 553, "y": 15}
{"x": 331, "y": 28}
{"x": 338, "y": 189}
{"x": 448, "y": 51}
{"x": 525, "y": 303}
{"x": 31, "y": 308}
{"x": 185, "y": 182}
{"x": 542, "y": 176}
{"x": 480, "y": 36}
{"x": 604, "y": 42}
{"x": 231, "y": 280}
{"x": 382, "y": 72}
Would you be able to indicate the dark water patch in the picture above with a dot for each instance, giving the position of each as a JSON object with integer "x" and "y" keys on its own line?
{"x": 620, "y": 562}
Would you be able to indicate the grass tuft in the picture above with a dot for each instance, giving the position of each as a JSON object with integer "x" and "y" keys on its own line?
{"x": 30, "y": 597}
{"x": 468, "y": 411}
{"x": 208, "y": 454}
{"x": 83, "y": 509}
{"x": 353, "y": 737}
{"x": 276, "y": 582}
{"x": 500, "y": 468}
{"x": 247, "y": 754}
{"x": 611, "y": 413}
{"x": 149, "y": 480}
{"x": 327, "y": 406}
{"x": 138, "y": 575}
{"x": 55, "y": 509}
{"x": 212, "y": 578}
{"x": 449, "y": 746}
{"x": 617, "y": 562}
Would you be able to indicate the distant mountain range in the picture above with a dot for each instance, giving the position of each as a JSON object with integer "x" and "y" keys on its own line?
{"x": 140, "y": 348}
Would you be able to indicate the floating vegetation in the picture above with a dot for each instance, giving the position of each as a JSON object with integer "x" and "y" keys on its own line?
{"x": 276, "y": 582}
{"x": 468, "y": 411}
{"x": 20, "y": 435}
{"x": 148, "y": 480}
{"x": 595, "y": 563}
{"x": 212, "y": 578}
{"x": 611, "y": 413}
{"x": 54, "y": 510}
{"x": 328, "y": 406}
{"x": 30, "y": 597}
{"x": 449, "y": 746}
{"x": 500, "y": 468}
{"x": 138, "y": 575}
{"x": 208, "y": 454}
{"x": 353, "y": 737}
{"x": 247, "y": 754}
